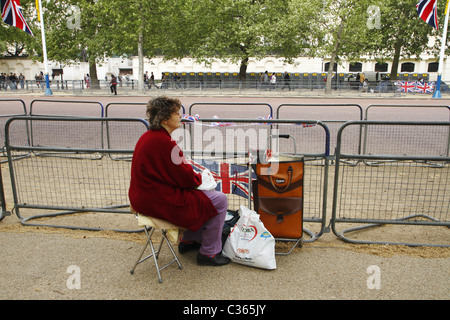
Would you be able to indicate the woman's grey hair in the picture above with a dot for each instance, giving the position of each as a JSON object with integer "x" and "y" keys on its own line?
{"x": 161, "y": 109}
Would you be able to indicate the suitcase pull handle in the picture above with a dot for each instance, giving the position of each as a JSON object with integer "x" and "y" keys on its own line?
{"x": 287, "y": 186}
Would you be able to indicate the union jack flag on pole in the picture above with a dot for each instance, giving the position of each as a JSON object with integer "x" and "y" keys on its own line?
{"x": 437, "y": 91}
{"x": 12, "y": 15}
{"x": 427, "y": 12}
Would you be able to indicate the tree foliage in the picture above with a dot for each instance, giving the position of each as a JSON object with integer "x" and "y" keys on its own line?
{"x": 228, "y": 30}
{"x": 402, "y": 34}
{"x": 340, "y": 31}
{"x": 13, "y": 41}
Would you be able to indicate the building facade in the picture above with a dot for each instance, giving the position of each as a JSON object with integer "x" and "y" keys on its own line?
{"x": 130, "y": 67}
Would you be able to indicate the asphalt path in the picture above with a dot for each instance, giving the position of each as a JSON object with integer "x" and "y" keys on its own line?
{"x": 332, "y": 111}
{"x": 239, "y": 107}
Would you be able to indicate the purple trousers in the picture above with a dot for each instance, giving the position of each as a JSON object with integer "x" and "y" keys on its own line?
{"x": 210, "y": 234}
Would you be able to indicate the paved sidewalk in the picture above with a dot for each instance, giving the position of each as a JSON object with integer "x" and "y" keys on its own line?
{"x": 44, "y": 264}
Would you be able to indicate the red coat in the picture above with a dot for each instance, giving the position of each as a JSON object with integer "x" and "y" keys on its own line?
{"x": 166, "y": 190}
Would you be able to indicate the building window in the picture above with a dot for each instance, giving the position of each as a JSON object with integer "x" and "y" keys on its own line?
{"x": 57, "y": 73}
{"x": 126, "y": 71}
{"x": 407, "y": 67}
{"x": 327, "y": 66}
{"x": 355, "y": 67}
{"x": 381, "y": 67}
{"x": 433, "y": 67}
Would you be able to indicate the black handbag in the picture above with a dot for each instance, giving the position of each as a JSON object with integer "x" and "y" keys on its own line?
{"x": 229, "y": 224}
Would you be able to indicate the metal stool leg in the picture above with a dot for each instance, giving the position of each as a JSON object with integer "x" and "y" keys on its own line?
{"x": 155, "y": 254}
{"x": 143, "y": 250}
{"x": 155, "y": 259}
{"x": 171, "y": 250}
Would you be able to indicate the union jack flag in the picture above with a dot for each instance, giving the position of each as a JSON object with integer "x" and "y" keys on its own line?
{"x": 307, "y": 125}
{"x": 230, "y": 178}
{"x": 221, "y": 124}
{"x": 190, "y": 118}
{"x": 12, "y": 15}
{"x": 406, "y": 86}
{"x": 427, "y": 12}
{"x": 268, "y": 117}
{"x": 425, "y": 87}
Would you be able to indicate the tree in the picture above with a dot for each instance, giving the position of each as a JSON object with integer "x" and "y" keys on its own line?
{"x": 230, "y": 30}
{"x": 72, "y": 33}
{"x": 92, "y": 30}
{"x": 235, "y": 30}
{"x": 132, "y": 26}
{"x": 13, "y": 41}
{"x": 340, "y": 31}
{"x": 402, "y": 34}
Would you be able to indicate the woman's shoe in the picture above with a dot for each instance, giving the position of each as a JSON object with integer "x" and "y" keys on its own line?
{"x": 216, "y": 260}
{"x": 184, "y": 247}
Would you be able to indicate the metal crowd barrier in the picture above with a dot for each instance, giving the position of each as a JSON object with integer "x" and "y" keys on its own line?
{"x": 63, "y": 108}
{"x": 66, "y": 108}
{"x": 397, "y": 157}
{"x": 327, "y": 114}
{"x": 222, "y": 145}
{"x": 122, "y": 109}
{"x": 384, "y": 112}
{"x": 409, "y": 112}
{"x": 3, "y": 212}
{"x": 230, "y": 105}
{"x": 405, "y": 183}
{"x": 9, "y": 108}
{"x": 129, "y": 109}
{"x": 62, "y": 185}
{"x": 19, "y": 108}
{"x": 68, "y": 179}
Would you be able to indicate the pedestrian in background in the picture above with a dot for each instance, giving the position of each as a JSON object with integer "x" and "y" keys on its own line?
{"x": 113, "y": 84}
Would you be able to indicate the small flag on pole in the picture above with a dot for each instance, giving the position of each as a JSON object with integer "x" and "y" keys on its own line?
{"x": 427, "y": 12}
{"x": 37, "y": 11}
{"x": 437, "y": 92}
{"x": 12, "y": 15}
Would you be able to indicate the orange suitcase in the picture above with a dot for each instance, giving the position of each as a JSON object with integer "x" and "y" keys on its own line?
{"x": 278, "y": 197}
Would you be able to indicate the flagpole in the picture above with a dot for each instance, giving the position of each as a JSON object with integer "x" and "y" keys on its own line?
{"x": 437, "y": 92}
{"x": 48, "y": 92}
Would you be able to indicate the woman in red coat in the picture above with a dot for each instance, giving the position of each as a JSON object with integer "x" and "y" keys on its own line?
{"x": 164, "y": 186}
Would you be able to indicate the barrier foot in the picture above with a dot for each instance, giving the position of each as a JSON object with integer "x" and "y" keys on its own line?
{"x": 437, "y": 94}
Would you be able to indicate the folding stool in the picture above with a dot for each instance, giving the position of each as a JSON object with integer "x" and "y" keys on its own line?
{"x": 168, "y": 230}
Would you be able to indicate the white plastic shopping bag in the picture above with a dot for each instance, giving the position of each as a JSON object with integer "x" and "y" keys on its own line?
{"x": 250, "y": 243}
{"x": 208, "y": 182}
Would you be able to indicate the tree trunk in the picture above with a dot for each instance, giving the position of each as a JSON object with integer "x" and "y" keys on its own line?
{"x": 330, "y": 73}
{"x": 243, "y": 69}
{"x": 333, "y": 57}
{"x": 394, "y": 68}
{"x": 93, "y": 74}
{"x": 141, "y": 62}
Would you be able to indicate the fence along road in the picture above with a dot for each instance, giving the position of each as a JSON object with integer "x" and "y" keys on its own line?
{"x": 68, "y": 170}
{"x": 402, "y": 178}
{"x": 74, "y": 173}
{"x": 350, "y": 138}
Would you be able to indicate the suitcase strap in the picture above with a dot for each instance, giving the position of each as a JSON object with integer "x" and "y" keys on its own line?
{"x": 269, "y": 185}
{"x": 280, "y": 207}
